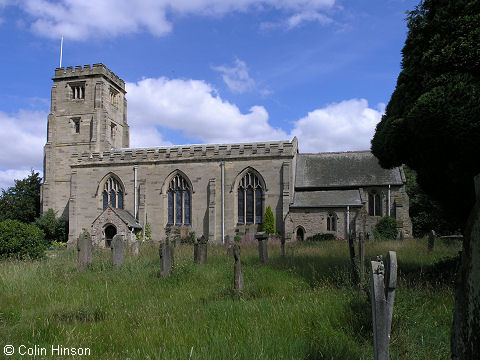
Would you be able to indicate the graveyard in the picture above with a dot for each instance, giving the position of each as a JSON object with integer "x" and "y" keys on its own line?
{"x": 180, "y": 301}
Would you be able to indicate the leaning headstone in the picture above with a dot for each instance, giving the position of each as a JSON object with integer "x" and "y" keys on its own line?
{"x": 384, "y": 282}
{"x": 237, "y": 270}
{"x": 262, "y": 238}
{"x": 118, "y": 250}
{"x": 200, "y": 250}
{"x": 166, "y": 257}
{"x": 84, "y": 248}
{"x": 431, "y": 240}
{"x": 135, "y": 248}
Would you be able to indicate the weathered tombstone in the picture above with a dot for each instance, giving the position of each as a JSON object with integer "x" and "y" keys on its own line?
{"x": 202, "y": 250}
{"x": 118, "y": 250}
{"x": 354, "y": 269}
{"x": 237, "y": 270}
{"x": 166, "y": 252}
{"x": 431, "y": 240}
{"x": 84, "y": 248}
{"x": 262, "y": 238}
{"x": 135, "y": 248}
{"x": 384, "y": 282}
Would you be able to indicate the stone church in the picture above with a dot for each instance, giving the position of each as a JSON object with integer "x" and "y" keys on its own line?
{"x": 94, "y": 179}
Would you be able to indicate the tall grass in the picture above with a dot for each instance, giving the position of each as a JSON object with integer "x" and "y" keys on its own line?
{"x": 299, "y": 307}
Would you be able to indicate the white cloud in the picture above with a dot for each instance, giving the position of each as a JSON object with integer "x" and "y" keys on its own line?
{"x": 348, "y": 125}
{"x": 22, "y": 139}
{"x": 80, "y": 20}
{"x": 237, "y": 78}
{"x": 307, "y": 16}
{"x": 194, "y": 108}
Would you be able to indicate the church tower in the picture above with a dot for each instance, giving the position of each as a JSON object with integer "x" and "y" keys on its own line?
{"x": 88, "y": 114}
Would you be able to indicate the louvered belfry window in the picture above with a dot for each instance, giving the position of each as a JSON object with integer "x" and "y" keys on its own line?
{"x": 113, "y": 193}
{"x": 179, "y": 201}
{"x": 250, "y": 200}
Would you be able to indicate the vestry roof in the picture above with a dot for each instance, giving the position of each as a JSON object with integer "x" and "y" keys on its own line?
{"x": 348, "y": 169}
{"x": 326, "y": 198}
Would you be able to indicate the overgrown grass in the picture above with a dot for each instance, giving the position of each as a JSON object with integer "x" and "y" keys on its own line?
{"x": 299, "y": 307}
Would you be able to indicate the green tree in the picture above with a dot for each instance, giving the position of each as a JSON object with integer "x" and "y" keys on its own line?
{"x": 21, "y": 241}
{"x": 22, "y": 201}
{"x": 268, "y": 221}
{"x": 55, "y": 229}
{"x": 432, "y": 124}
{"x": 386, "y": 228}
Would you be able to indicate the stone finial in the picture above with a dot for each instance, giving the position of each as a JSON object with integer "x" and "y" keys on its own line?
{"x": 84, "y": 248}
{"x": 118, "y": 250}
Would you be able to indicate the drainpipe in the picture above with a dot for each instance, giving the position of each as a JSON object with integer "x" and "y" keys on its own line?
{"x": 222, "y": 165}
{"x": 348, "y": 223}
{"x": 135, "y": 203}
{"x": 388, "y": 200}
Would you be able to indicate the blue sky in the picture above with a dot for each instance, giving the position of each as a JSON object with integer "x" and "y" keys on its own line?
{"x": 206, "y": 71}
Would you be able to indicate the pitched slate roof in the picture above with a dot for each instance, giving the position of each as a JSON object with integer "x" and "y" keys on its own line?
{"x": 347, "y": 169}
{"x": 326, "y": 198}
{"x": 127, "y": 218}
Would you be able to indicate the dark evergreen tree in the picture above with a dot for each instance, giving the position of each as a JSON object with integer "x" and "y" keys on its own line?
{"x": 432, "y": 124}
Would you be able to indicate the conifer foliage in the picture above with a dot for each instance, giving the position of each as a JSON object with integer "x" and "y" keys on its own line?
{"x": 269, "y": 221}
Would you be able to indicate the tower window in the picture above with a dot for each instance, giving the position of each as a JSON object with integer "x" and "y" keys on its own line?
{"x": 112, "y": 131}
{"x": 179, "y": 203}
{"x": 112, "y": 193}
{"x": 78, "y": 91}
{"x": 250, "y": 200}
{"x": 113, "y": 97}
{"x": 76, "y": 125}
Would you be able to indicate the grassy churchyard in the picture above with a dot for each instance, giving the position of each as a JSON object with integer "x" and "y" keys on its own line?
{"x": 299, "y": 307}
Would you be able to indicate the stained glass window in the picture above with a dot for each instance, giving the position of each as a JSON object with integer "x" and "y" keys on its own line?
{"x": 112, "y": 193}
{"x": 250, "y": 200}
{"x": 179, "y": 201}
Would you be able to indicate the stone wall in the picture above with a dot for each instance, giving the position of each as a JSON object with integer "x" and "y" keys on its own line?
{"x": 203, "y": 170}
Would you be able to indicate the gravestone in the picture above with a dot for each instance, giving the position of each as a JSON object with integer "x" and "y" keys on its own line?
{"x": 431, "y": 240}
{"x": 84, "y": 248}
{"x": 237, "y": 270}
{"x": 166, "y": 253}
{"x": 135, "y": 248}
{"x": 262, "y": 238}
{"x": 383, "y": 282}
{"x": 200, "y": 251}
{"x": 118, "y": 250}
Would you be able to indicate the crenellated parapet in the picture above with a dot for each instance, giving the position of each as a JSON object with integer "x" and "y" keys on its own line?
{"x": 187, "y": 153}
{"x": 79, "y": 72}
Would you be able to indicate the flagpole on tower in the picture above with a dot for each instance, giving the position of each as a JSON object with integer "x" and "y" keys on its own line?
{"x": 61, "y": 51}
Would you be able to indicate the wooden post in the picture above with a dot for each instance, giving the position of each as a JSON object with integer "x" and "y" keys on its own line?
{"x": 431, "y": 240}
{"x": 361, "y": 260}
{"x": 351, "y": 247}
{"x": 384, "y": 282}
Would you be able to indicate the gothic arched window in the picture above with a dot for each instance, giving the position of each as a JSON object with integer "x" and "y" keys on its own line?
{"x": 250, "y": 200}
{"x": 179, "y": 201}
{"x": 113, "y": 193}
{"x": 374, "y": 204}
{"x": 331, "y": 222}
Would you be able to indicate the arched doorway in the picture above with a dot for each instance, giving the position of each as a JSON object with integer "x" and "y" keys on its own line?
{"x": 110, "y": 232}
{"x": 300, "y": 234}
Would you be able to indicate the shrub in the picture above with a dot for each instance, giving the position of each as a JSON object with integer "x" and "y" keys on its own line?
{"x": 322, "y": 237}
{"x": 269, "y": 221}
{"x": 21, "y": 241}
{"x": 386, "y": 228}
{"x": 237, "y": 238}
{"x": 55, "y": 229}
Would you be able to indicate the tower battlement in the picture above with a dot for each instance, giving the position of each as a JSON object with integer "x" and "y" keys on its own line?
{"x": 79, "y": 72}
